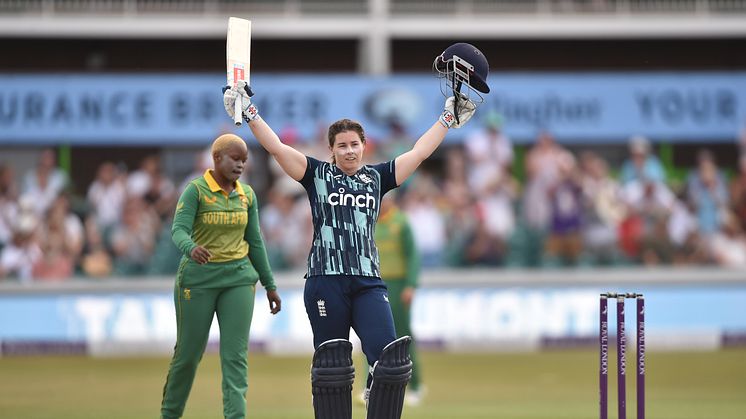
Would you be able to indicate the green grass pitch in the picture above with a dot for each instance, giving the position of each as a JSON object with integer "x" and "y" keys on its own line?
{"x": 546, "y": 385}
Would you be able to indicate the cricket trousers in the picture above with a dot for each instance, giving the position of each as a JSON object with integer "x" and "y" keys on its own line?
{"x": 336, "y": 303}
{"x": 403, "y": 323}
{"x": 195, "y": 308}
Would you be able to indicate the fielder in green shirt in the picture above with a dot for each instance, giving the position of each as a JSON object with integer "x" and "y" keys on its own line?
{"x": 400, "y": 269}
{"x": 216, "y": 227}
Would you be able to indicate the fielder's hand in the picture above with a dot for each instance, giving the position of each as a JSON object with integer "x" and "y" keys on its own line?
{"x": 248, "y": 109}
{"x": 465, "y": 111}
{"x": 201, "y": 255}
{"x": 275, "y": 303}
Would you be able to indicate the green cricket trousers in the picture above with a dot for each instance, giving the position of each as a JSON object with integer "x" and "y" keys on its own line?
{"x": 221, "y": 289}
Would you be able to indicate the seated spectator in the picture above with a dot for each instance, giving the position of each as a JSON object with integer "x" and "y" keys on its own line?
{"x": 490, "y": 152}
{"x": 496, "y": 213}
{"x": 18, "y": 258}
{"x": 286, "y": 224}
{"x": 150, "y": 184}
{"x": 134, "y": 240}
{"x": 645, "y": 229}
{"x": 8, "y": 204}
{"x": 426, "y": 221}
{"x": 96, "y": 261}
{"x": 482, "y": 247}
{"x": 106, "y": 196}
{"x": 45, "y": 182}
{"x": 454, "y": 179}
{"x": 542, "y": 170}
{"x": 642, "y": 164}
{"x": 604, "y": 210}
{"x": 460, "y": 224}
{"x": 564, "y": 244}
{"x": 728, "y": 246}
{"x": 707, "y": 194}
{"x": 738, "y": 192}
{"x": 61, "y": 240}
{"x": 688, "y": 246}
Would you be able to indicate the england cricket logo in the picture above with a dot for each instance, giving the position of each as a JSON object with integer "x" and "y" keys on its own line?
{"x": 322, "y": 308}
{"x": 365, "y": 178}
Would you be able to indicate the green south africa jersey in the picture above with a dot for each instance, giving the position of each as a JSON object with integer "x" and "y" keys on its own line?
{"x": 227, "y": 225}
{"x": 345, "y": 210}
{"x": 396, "y": 248}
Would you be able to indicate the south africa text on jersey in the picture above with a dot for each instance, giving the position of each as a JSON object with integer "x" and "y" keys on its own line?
{"x": 225, "y": 217}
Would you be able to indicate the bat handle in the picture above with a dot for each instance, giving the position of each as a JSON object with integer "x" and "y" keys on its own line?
{"x": 456, "y": 94}
{"x": 237, "y": 109}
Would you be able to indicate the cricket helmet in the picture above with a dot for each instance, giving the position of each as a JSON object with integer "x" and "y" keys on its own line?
{"x": 462, "y": 64}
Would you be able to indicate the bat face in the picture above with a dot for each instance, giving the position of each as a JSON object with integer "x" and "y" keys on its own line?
{"x": 238, "y": 53}
{"x": 238, "y": 50}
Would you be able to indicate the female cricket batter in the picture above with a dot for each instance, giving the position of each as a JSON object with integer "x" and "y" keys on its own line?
{"x": 343, "y": 281}
{"x": 216, "y": 227}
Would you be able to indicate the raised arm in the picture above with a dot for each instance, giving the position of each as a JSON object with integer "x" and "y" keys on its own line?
{"x": 409, "y": 161}
{"x": 292, "y": 161}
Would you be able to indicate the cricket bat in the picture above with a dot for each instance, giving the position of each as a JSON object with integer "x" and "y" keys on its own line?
{"x": 238, "y": 54}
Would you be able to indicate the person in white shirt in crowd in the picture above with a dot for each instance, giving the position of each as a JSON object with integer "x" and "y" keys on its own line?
{"x": 427, "y": 222}
{"x": 8, "y": 203}
{"x": 61, "y": 240}
{"x": 728, "y": 245}
{"x": 43, "y": 183}
{"x": 19, "y": 256}
{"x": 689, "y": 246}
{"x": 150, "y": 184}
{"x": 106, "y": 196}
{"x": 604, "y": 209}
{"x": 496, "y": 204}
{"x": 490, "y": 152}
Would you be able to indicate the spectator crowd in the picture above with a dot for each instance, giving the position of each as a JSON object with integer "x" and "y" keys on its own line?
{"x": 564, "y": 208}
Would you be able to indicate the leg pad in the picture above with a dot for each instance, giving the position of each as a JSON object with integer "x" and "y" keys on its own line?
{"x": 332, "y": 375}
{"x": 391, "y": 373}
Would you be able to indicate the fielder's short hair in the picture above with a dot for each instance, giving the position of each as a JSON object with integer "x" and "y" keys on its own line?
{"x": 224, "y": 142}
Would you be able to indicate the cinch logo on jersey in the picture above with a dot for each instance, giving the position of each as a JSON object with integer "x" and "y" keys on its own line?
{"x": 351, "y": 200}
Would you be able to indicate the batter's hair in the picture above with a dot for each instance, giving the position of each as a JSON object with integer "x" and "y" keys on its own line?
{"x": 344, "y": 125}
{"x": 224, "y": 142}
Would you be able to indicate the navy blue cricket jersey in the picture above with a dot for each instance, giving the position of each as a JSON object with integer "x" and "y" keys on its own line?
{"x": 345, "y": 210}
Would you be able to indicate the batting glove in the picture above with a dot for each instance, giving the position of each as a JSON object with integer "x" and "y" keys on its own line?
{"x": 249, "y": 111}
{"x": 466, "y": 110}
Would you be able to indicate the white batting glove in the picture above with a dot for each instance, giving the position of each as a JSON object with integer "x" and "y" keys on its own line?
{"x": 466, "y": 110}
{"x": 249, "y": 111}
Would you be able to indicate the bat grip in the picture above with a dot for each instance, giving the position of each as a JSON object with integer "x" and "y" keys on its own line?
{"x": 237, "y": 109}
